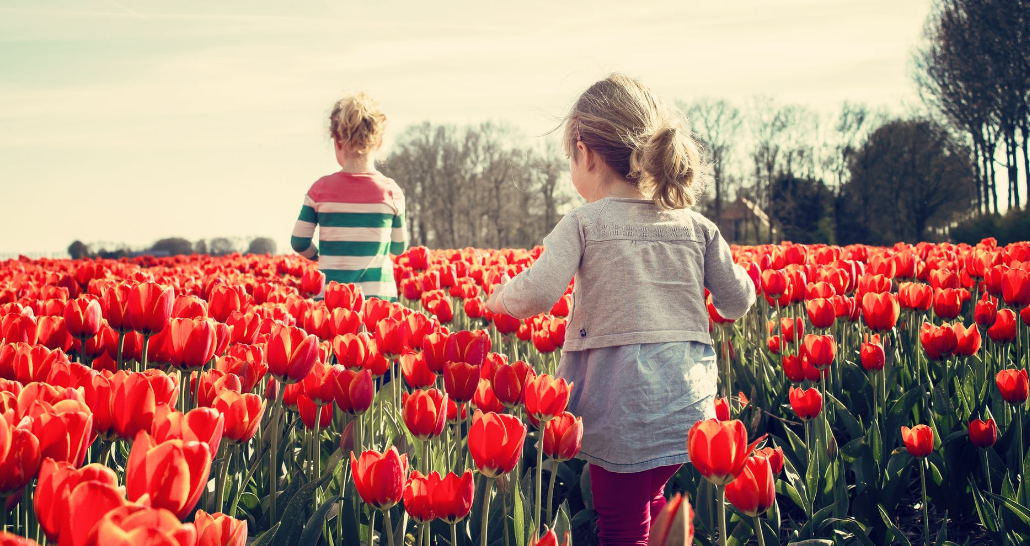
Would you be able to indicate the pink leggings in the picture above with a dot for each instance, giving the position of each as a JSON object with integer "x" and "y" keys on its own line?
{"x": 627, "y": 502}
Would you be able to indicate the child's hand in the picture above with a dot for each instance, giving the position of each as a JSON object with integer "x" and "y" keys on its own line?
{"x": 493, "y": 304}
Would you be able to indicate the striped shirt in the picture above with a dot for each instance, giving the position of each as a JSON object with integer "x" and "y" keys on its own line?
{"x": 361, "y": 222}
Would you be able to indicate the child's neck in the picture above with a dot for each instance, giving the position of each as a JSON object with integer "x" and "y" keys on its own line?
{"x": 364, "y": 163}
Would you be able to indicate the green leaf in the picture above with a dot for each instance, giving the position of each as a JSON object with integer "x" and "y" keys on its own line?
{"x": 519, "y": 513}
{"x": 851, "y": 424}
{"x": 1021, "y": 513}
{"x": 988, "y": 517}
{"x": 584, "y": 488}
{"x": 562, "y": 524}
{"x": 893, "y": 529}
{"x": 942, "y": 535}
{"x": 797, "y": 445}
{"x": 266, "y": 537}
{"x": 313, "y": 529}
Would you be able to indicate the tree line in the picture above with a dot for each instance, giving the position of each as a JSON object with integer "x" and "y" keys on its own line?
{"x": 174, "y": 246}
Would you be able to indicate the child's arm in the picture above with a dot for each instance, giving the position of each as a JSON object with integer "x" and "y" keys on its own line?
{"x": 399, "y": 236}
{"x": 733, "y": 292}
{"x": 304, "y": 230}
{"x": 536, "y": 289}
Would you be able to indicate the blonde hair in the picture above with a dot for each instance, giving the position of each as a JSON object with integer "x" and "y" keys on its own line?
{"x": 640, "y": 137}
{"x": 357, "y": 122}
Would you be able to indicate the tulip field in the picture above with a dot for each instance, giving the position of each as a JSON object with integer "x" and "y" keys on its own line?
{"x": 872, "y": 396}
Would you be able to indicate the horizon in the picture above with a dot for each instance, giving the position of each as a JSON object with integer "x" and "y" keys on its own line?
{"x": 213, "y": 118}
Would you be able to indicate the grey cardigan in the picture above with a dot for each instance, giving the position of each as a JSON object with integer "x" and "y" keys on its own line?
{"x": 640, "y": 275}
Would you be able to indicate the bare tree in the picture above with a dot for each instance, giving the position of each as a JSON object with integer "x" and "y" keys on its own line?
{"x": 717, "y": 124}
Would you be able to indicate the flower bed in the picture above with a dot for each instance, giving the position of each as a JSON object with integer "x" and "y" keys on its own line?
{"x": 201, "y": 401}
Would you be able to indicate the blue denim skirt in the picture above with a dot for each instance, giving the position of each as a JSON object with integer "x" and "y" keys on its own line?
{"x": 638, "y": 402}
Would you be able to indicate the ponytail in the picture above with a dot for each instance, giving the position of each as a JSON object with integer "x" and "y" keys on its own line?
{"x": 667, "y": 163}
{"x": 641, "y": 138}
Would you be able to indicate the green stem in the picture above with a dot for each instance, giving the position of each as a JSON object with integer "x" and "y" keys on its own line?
{"x": 389, "y": 527}
{"x": 539, "y": 480}
{"x": 425, "y": 457}
{"x": 986, "y": 468}
{"x": 121, "y": 350}
{"x": 1019, "y": 427}
{"x": 273, "y": 469}
{"x": 758, "y": 531}
{"x": 926, "y": 509}
{"x": 371, "y": 525}
{"x": 421, "y": 533}
{"x": 484, "y": 517}
{"x": 722, "y": 514}
{"x": 454, "y": 534}
{"x": 222, "y": 477}
{"x": 143, "y": 358}
{"x": 550, "y": 489}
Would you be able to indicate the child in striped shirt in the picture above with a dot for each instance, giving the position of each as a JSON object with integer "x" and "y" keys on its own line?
{"x": 359, "y": 211}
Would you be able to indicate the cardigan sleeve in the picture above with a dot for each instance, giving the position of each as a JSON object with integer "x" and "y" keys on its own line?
{"x": 538, "y": 288}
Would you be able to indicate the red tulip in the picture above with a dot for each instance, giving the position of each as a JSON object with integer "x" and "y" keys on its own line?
{"x": 135, "y": 525}
{"x": 753, "y": 492}
{"x": 674, "y": 525}
{"x": 64, "y": 429}
{"x": 1013, "y": 385}
{"x": 418, "y": 502}
{"x": 223, "y": 301}
{"x": 19, "y": 457}
{"x": 495, "y": 441}
{"x": 939, "y": 342}
{"x": 807, "y": 403}
{"x": 219, "y": 530}
{"x": 392, "y": 337}
{"x": 468, "y": 347}
{"x": 722, "y": 409}
{"x": 918, "y": 440}
{"x": 546, "y": 397}
{"x": 461, "y": 380}
{"x": 173, "y": 473}
{"x": 820, "y": 312}
{"x": 192, "y": 342}
{"x": 308, "y": 408}
{"x": 52, "y": 332}
{"x": 718, "y": 449}
{"x": 819, "y": 350}
{"x": 968, "y": 340}
{"x": 451, "y": 495}
{"x": 774, "y": 283}
{"x": 425, "y": 413}
{"x": 242, "y": 414}
{"x": 947, "y": 303}
{"x": 19, "y": 328}
{"x": 83, "y": 317}
{"x": 379, "y": 477}
{"x": 188, "y": 306}
{"x": 983, "y": 433}
{"x": 415, "y": 370}
{"x": 291, "y": 353}
{"x": 115, "y": 304}
{"x": 509, "y": 382}
{"x": 1004, "y": 329}
{"x": 775, "y": 456}
{"x": 871, "y": 354}
{"x": 352, "y": 390}
{"x": 880, "y": 311}
{"x": 150, "y": 307}
{"x": 549, "y": 539}
{"x": 793, "y": 368}
{"x": 563, "y": 436}
{"x": 985, "y": 311}
{"x": 345, "y": 296}
{"x": 199, "y": 425}
{"x": 245, "y": 361}
{"x": 1015, "y": 288}
{"x": 474, "y": 308}
{"x": 69, "y": 500}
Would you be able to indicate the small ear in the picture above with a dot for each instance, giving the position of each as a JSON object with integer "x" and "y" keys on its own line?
{"x": 380, "y": 144}
{"x": 587, "y": 155}
{"x": 336, "y": 142}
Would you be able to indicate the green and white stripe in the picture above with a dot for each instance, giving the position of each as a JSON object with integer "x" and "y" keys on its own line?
{"x": 354, "y": 242}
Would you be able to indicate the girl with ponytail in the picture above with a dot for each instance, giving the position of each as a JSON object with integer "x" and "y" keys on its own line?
{"x": 637, "y": 344}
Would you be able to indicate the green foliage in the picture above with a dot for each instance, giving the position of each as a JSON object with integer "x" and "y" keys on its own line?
{"x": 1014, "y": 226}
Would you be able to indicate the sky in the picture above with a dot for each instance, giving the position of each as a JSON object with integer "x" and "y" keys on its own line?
{"x": 129, "y": 121}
